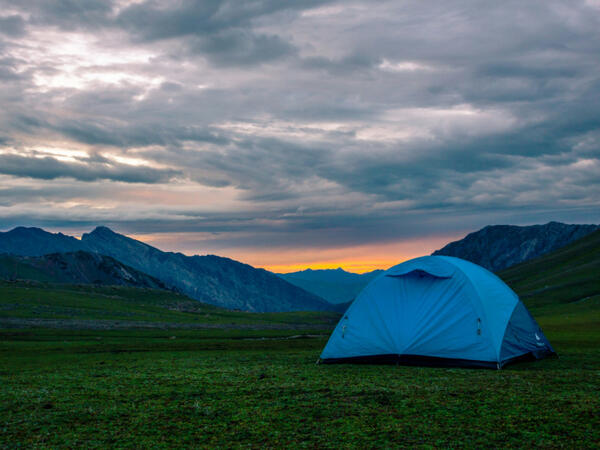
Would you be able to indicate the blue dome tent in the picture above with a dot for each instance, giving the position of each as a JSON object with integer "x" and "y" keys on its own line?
{"x": 437, "y": 310}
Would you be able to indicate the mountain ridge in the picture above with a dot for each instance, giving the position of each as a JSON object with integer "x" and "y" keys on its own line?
{"x": 212, "y": 279}
{"x": 497, "y": 247}
{"x": 33, "y": 241}
{"x": 334, "y": 285}
{"x": 231, "y": 284}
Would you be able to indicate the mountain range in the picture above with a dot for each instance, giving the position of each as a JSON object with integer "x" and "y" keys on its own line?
{"x": 105, "y": 257}
{"x": 210, "y": 279}
{"x": 497, "y": 247}
{"x": 563, "y": 283}
{"x": 334, "y": 285}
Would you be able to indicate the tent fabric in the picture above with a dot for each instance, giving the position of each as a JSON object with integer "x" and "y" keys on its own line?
{"x": 437, "y": 310}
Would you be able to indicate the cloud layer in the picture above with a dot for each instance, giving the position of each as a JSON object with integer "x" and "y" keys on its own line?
{"x": 270, "y": 126}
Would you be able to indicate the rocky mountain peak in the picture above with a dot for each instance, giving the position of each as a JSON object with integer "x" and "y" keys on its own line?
{"x": 497, "y": 247}
{"x": 102, "y": 230}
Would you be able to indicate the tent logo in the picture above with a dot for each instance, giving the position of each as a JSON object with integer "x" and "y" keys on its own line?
{"x": 539, "y": 342}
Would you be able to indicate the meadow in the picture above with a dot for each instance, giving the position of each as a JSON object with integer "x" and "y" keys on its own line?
{"x": 256, "y": 388}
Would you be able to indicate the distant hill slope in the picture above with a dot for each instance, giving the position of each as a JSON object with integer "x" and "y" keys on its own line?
{"x": 497, "y": 247}
{"x": 41, "y": 305}
{"x": 570, "y": 274}
{"x": 334, "y": 285}
{"x": 210, "y": 279}
{"x": 75, "y": 268}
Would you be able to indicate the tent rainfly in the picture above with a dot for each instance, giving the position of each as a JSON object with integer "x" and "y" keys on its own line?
{"x": 440, "y": 311}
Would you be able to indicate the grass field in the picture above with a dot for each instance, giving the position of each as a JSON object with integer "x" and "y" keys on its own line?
{"x": 145, "y": 388}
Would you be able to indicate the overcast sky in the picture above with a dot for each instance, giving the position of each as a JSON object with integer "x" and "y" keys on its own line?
{"x": 299, "y": 133}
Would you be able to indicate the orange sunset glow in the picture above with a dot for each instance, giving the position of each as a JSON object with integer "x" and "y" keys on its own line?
{"x": 358, "y": 259}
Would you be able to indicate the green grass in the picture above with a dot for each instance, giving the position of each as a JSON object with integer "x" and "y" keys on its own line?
{"x": 87, "y": 306}
{"x": 12, "y": 268}
{"x": 206, "y": 388}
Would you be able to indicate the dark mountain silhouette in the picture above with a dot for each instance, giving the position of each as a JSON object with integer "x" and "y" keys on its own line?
{"x": 36, "y": 242}
{"x": 334, "y": 285}
{"x": 75, "y": 268}
{"x": 497, "y": 247}
{"x": 211, "y": 279}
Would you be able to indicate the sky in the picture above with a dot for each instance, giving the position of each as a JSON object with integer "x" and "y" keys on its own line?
{"x": 294, "y": 134}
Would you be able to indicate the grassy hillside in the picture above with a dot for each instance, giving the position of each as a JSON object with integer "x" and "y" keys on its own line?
{"x": 12, "y": 268}
{"x": 26, "y": 304}
{"x": 74, "y": 268}
{"x": 566, "y": 276}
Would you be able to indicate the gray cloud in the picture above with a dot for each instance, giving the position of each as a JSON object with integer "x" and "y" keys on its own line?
{"x": 138, "y": 134}
{"x": 13, "y": 26}
{"x": 324, "y": 122}
{"x": 344, "y": 65}
{"x": 66, "y": 14}
{"x": 235, "y": 47}
{"x": 152, "y": 21}
{"x": 220, "y": 30}
{"x": 9, "y": 70}
{"x": 48, "y": 168}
